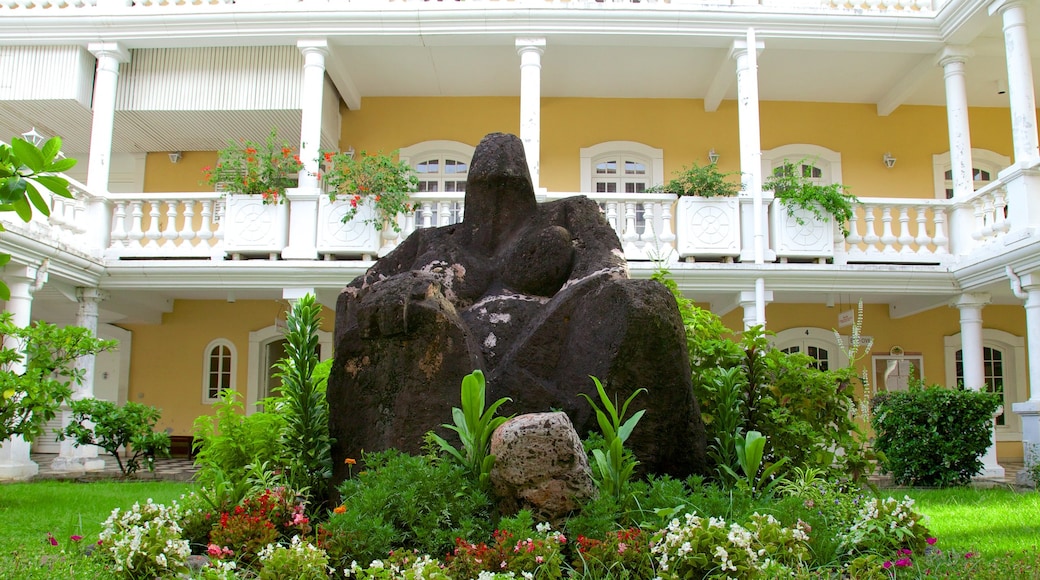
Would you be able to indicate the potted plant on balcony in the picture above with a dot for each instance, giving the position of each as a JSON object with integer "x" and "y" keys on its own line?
{"x": 803, "y": 227}
{"x": 707, "y": 212}
{"x": 255, "y": 177}
{"x": 377, "y": 182}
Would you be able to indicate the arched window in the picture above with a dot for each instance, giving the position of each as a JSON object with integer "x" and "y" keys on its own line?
{"x": 1003, "y": 364}
{"x": 985, "y": 165}
{"x": 267, "y": 347}
{"x": 442, "y": 167}
{"x": 218, "y": 366}
{"x": 819, "y": 164}
{"x": 818, "y": 343}
{"x": 625, "y": 167}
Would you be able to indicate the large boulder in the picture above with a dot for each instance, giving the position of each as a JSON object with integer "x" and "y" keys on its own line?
{"x": 537, "y": 296}
{"x": 540, "y": 466}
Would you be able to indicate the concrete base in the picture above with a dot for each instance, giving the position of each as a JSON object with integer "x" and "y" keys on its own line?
{"x": 15, "y": 464}
{"x": 19, "y": 472}
{"x": 77, "y": 464}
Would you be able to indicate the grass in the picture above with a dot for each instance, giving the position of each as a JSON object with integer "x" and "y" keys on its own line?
{"x": 30, "y": 511}
{"x": 1000, "y": 526}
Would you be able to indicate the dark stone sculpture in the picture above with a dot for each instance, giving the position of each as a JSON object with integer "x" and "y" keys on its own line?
{"x": 537, "y": 297}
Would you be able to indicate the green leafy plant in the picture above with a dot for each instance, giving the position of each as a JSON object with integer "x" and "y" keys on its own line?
{"x": 37, "y": 372}
{"x": 750, "y": 451}
{"x": 24, "y": 169}
{"x": 145, "y": 542}
{"x": 933, "y": 436}
{"x": 727, "y": 417}
{"x": 299, "y": 560}
{"x": 265, "y": 169}
{"x": 111, "y": 427}
{"x": 702, "y": 181}
{"x": 474, "y": 426}
{"x": 613, "y": 469}
{"x": 792, "y": 183}
{"x": 375, "y": 180}
{"x": 302, "y": 403}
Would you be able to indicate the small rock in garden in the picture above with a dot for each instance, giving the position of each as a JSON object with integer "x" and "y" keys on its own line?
{"x": 540, "y": 465}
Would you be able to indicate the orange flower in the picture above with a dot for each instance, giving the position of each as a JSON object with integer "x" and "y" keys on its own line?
{"x": 328, "y": 156}
{"x": 350, "y": 461}
{"x": 340, "y": 509}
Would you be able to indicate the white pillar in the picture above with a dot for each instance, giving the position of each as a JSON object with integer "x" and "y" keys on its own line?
{"x": 1020, "y": 79}
{"x": 970, "y": 306}
{"x": 84, "y": 458}
{"x": 1028, "y": 286}
{"x": 952, "y": 59}
{"x": 530, "y": 51}
{"x": 23, "y": 281}
{"x": 109, "y": 55}
{"x": 750, "y": 303}
{"x": 303, "y": 200}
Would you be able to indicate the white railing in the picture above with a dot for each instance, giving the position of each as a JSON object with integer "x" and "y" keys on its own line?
{"x": 166, "y": 225}
{"x": 887, "y": 230}
{"x": 67, "y": 224}
{"x": 48, "y": 7}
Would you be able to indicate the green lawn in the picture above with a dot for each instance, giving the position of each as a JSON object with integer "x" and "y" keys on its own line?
{"x": 1000, "y": 527}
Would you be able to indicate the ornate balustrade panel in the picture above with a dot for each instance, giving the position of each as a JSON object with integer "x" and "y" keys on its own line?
{"x": 167, "y": 225}
{"x": 887, "y": 230}
{"x": 644, "y": 222}
{"x": 989, "y": 210}
{"x": 66, "y": 225}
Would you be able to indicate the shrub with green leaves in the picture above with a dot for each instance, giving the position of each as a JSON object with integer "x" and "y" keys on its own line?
{"x": 405, "y": 501}
{"x": 111, "y": 427}
{"x": 145, "y": 542}
{"x": 933, "y": 436}
{"x": 474, "y": 426}
{"x": 612, "y": 466}
{"x": 299, "y": 560}
{"x": 885, "y": 526}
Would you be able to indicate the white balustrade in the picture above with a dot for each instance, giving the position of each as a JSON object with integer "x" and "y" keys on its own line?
{"x": 904, "y": 238}
{"x": 166, "y": 225}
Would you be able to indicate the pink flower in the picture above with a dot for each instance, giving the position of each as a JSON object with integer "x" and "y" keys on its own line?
{"x": 903, "y": 562}
{"x": 887, "y": 564}
{"x": 969, "y": 555}
{"x": 75, "y": 538}
{"x": 51, "y": 539}
{"x": 931, "y": 541}
{"x": 905, "y": 552}
{"x": 539, "y": 559}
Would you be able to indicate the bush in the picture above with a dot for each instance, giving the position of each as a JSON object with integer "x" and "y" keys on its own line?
{"x": 404, "y": 501}
{"x": 111, "y": 427}
{"x": 145, "y": 542}
{"x": 933, "y": 436}
{"x": 228, "y": 442}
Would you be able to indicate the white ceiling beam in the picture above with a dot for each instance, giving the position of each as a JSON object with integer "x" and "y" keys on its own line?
{"x": 905, "y": 87}
{"x": 911, "y": 305}
{"x": 725, "y": 74}
{"x": 345, "y": 84}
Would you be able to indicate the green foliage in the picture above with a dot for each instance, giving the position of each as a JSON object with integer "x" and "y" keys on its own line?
{"x": 227, "y": 443}
{"x": 376, "y": 180}
{"x": 37, "y": 369}
{"x": 404, "y": 501}
{"x": 885, "y": 526}
{"x": 793, "y": 185}
{"x": 303, "y": 405}
{"x": 474, "y": 426}
{"x": 111, "y": 427}
{"x": 265, "y": 169}
{"x": 701, "y": 180}
{"x": 612, "y": 467}
{"x": 750, "y": 450}
{"x": 727, "y": 388}
{"x": 145, "y": 542}
{"x": 24, "y": 170}
{"x": 933, "y": 436}
{"x": 299, "y": 560}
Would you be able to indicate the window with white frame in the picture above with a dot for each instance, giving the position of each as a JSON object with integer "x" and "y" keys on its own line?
{"x": 1004, "y": 372}
{"x": 218, "y": 369}
{"x": 818, "y": 343}
{"x": 442, "y": 167}
{"x": 985, "y": 165}
{"x": 624, "y": 167}
{"x": 820, "y": 165}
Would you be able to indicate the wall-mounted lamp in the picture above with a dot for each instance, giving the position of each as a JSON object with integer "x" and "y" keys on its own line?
{"x": 33, "y": 136}
{"x": 890, "y": 161}
{"x": 176, "y": 156}
{"x": 713, "y": 157}
{"x": 1001, "y": 87}
{"x": 350, "y": 152}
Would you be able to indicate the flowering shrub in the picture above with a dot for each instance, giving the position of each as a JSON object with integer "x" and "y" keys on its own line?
{"x": 259, "y": 521}
{"x": 707, "y": 548}
{"x": 300, "y": 560}
{"x": 538, "y": 558}
{"x": 401, "y": 565}
{"x": 376, "y": 180}
{"x": 883, "y": 526}
{"x": 264, "y": 169}
{"x": 145, "y": 541}
{"x": 624, "y": 554}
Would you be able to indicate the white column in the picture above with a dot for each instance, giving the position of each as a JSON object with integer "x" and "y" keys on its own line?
{"x": 23, "y": 281}
{"x": 85, "y": 458}
{"x": 952, "y": 59}
{"x": 1028, "y": 287}
{"x": 109, "y": 55}
{"x": 1020, "y": 79}
{"x": 749, "y": 302}
{"x": 530, "y": 51}
{"x": 970, "y": 306}
{"x": 303, "y": 200}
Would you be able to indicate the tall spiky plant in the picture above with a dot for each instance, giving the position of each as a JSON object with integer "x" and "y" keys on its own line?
{"x": 302, "y": 402}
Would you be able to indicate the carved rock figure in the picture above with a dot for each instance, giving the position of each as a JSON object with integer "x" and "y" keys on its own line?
{"x": 537, "y": 297}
